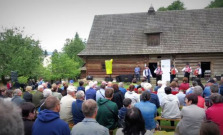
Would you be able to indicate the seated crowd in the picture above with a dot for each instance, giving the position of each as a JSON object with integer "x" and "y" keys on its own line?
{"x": 110, "y": 108}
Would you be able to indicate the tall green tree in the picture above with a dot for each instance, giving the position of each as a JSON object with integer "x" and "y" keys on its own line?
{"x": 176, "y": 5}
{"x": 63, "y": 66}
{"x": 18, "y": 53}
{"x": 215, "y": 4}
{"x": 73, "y": 46}
{"x": 45, "y": 53}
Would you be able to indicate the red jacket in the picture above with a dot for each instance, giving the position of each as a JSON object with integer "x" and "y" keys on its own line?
{"x": 184, "y": 86}
{"x": 214, "y": 113}
{"x": 200, "y": 102}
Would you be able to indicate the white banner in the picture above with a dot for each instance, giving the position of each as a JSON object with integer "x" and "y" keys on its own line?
{"x": 165, "y": 66}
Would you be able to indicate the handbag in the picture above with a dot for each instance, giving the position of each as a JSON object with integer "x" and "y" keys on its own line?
{"x": 121, "y": 122}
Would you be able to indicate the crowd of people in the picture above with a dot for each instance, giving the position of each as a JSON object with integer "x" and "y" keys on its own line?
{"x": 109, "y": 108}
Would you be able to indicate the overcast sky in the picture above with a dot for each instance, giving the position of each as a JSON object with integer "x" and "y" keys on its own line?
{"x": 53, "y": 21}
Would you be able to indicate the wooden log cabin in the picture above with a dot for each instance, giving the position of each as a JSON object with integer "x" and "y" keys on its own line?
{"x": 193, "y": 36}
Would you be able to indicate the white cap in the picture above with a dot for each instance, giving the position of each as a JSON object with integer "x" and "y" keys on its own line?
{"x": 91, "y": 84}
{"x": 71, "y": 88}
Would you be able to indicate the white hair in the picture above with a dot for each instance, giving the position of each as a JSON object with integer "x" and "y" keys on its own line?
{"x": 40, "y": 87}
{"x": 71, "y": 88}
{"x": 47, "y": 93}
{"x": 17, "y": 91}
{"x": 121, "y": 84}
{"x": 91, "y": 84}
{"x": 80, "y": 94}
{"x": 147, "y": 86}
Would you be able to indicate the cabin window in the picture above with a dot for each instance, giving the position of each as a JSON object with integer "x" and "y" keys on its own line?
{"x": 153, "y": 39}
{"x": 103, "y": 66}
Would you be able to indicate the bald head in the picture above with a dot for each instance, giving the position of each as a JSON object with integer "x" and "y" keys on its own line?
{"x": 51, "y": 103}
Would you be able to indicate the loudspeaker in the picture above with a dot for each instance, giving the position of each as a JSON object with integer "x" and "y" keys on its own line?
{"x": 14, "y": 76}
{"x": 117, "y": 79}
{"x": 107, "y": 79}
{"x": 126, "y": 78}
{"x": 89, "y": 77}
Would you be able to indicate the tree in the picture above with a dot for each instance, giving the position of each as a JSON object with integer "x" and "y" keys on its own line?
{"x": 176, "y": 5}
{"x": 45, "y": 53}
{"x": 72, "y": 47}
{"x": 215, "y": 4}
{"x": 18, "y": 53}
{"x": 63, "y": 66}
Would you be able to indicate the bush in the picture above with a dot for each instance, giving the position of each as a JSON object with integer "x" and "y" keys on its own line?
{"x": 22, "y": 79}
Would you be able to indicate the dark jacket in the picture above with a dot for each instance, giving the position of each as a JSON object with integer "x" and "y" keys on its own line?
{"x": 28, "y": 124}
{"x": 27, "y": 97}
{"x": 49, "y": 123}
{"x": 118, "y": 99}
{"x": 122, "y": 112}
{"x": 37, "y": 97}
{"x": 77, "y": 111}
{"x": 104, "y": 116}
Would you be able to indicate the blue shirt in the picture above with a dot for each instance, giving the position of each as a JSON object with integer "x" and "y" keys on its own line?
{"x": 90, "y": 94}
{"x": 137, "y": 70}
{"x": 80, "y": 88}
{"x": 207, "y": 91}
{"x": 123, "y": 90}
{"x": 148, "y": 111}
{"x": 156, "y": 88}
{"x": 100, "y": 94}
{"x": 77, "y": 111}
{"x": 221, "y": 90}
{"x": 154, "y": 99}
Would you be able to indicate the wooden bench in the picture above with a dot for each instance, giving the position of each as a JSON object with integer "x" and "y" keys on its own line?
{"x": 164, "y": 119}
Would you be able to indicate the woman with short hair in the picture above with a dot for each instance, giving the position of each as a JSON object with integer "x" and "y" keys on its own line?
{"x": 27, "y": 96}
{"x": 184, "y": 85}
{"x": 134, "y": 124}
{"x": 191, "y": 117}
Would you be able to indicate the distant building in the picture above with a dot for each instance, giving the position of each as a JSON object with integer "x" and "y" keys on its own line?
{"x": 47, "y": 60}
{"x": 194, "y": 36}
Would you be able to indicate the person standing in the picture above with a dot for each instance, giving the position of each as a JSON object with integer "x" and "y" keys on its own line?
{"x": 17, "y": 98}
{"x": 173, "y": 72}
{"x": 187, "y": 70}
{"x": 77, "y": 107}
{"x": 66, "y": 105}
{"x": 147, "y": 73}
{"x": 9, "y": 85}
{"x": 48, "y": 121}
{"x": 89, "y": 125}
{"x": 108, "y": 111}
{"x": 198, "y": 71}
{"x": 158, "y": 71}
{"x": 137, "y": 73}
{"x": 38, "y": 96}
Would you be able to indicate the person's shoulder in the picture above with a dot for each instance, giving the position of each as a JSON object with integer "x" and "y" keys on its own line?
{"x": 62, "y": 123}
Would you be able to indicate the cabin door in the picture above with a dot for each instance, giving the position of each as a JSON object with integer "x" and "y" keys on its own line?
{"x": 205, "y": 66}
{"x": 152, "y": 67}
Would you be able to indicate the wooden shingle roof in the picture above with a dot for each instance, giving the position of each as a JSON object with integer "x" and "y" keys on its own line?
{"x": 181, "y": 31}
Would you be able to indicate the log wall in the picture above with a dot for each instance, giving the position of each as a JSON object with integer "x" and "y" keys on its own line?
{"x": 126, "y": 64}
